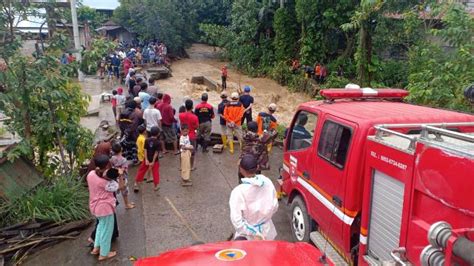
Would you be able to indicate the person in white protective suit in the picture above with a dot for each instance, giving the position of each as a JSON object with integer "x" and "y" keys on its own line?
{"x": 253, "y": 203}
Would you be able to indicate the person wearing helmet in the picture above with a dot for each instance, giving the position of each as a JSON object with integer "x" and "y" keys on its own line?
{"x": 247, "y": 100}
{"x": 205, "y": 114}
{"x": 233, "y": 113}
{"x": 222, "y": 122}
{"x": 253, "y": 203}
{"x": 267, "y": 122}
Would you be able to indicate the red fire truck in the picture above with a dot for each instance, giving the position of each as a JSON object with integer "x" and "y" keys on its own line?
{"x": 372, "y": 180}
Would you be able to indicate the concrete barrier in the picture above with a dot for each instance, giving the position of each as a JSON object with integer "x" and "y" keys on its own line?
{"x": 203, "y": 80}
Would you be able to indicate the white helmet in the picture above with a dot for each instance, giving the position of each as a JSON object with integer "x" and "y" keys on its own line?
{"x": 272, "y": 107}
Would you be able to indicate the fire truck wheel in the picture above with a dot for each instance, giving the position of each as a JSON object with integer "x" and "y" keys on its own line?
{"x": 300, "y": 223}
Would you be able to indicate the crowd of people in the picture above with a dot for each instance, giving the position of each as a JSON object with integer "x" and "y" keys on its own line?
{"x": 117, "y": 65}
{"x": 150, "y": 128}
{"x": 318, "y": 72}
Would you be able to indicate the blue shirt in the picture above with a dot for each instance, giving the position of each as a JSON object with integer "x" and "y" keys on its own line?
{"x": 145, "y": 97}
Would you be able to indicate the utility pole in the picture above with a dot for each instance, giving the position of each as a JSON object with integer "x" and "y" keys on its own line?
{"x": 77, "y": 42}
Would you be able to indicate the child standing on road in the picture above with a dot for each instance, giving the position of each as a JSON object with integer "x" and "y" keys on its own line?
{"x": 119, "y": 162}
{"x": 186, "y": 149}
{"x": 152, "y": 148}
{"x": 141, "y": 149}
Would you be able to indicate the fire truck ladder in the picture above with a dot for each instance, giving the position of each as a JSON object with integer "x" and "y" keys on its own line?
{"x": 431, "y": 133}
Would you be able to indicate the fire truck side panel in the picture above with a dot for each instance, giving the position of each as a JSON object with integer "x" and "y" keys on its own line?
{"x": 382, "y": 227}
{"x": 333, "y": 179}
{"x": 443, "y": 191}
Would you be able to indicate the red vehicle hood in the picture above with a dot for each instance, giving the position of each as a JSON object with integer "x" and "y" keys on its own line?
{"x": 239, "y": 253}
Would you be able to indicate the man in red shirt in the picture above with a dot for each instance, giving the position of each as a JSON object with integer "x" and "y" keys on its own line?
{"x": 167, "y": 121}
{"x": 190, "y": 119}
{"x": 224, "y": 77}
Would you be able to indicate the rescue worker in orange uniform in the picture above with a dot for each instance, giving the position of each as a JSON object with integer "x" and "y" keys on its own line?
{"x": 267, "y": 122}
{"x": 233, "y": 113}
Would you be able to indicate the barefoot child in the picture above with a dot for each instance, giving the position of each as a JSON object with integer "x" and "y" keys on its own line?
{"x": 119, "y": 162}
{"x": 152, "y": 148}
{"x": 186, "y": 149}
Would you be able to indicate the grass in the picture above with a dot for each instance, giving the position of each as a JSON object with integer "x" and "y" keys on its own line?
{"x": 62, "y": 201}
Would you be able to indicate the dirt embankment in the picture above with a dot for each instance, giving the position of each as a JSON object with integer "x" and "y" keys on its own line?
{"x": 203, "y": 62}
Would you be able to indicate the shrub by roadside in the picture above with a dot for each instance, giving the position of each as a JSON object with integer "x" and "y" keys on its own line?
{"x": 63, "y": 200}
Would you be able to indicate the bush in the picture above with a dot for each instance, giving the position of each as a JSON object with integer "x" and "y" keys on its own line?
{"x": 334, "y": 81}
{"x": 64, "y": 200}
{"x": 392, "y": 73}
{"x": 281, "y": 73}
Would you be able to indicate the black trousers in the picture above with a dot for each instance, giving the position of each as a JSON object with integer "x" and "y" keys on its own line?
{"x": 247, "y": 116}
{"x": 224, "y": 82}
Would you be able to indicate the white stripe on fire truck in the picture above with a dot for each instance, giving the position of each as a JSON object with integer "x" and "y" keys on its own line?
{"x": 343, "y": 217}
{"x": 285, "y": 168}
{"x": 363, "y": 239}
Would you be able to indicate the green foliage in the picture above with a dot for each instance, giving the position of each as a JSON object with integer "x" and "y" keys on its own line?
{"x": 391, "y": 73}
{"x": 63, "y": 200}
{"x": 100, "y": 47}
{"x": 438, "y": 76}
{"x": 45, "y": 108}
{"x": 281, "y": 132}
{"x": 281, "y": 73}
{"x": 286, "y": 34}
{"x": 334, "y": 81}
{"x": 171, "y": 21}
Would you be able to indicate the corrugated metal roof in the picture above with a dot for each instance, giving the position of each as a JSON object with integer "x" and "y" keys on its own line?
{"x": 17, "y": 178}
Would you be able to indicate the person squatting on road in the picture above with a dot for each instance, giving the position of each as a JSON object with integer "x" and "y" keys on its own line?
{"x": 256, "y": 146}
{"x": 222, "y": 122}
{"x": 205, "y": 114}
{"x": 253, "y": 203}
{"x": 102, "y": 204}
{"x": 247, "y": 100}
{"x": 152, "y": 148}
{"x": 186, "y": 153}
{"x": 233, "y": 113}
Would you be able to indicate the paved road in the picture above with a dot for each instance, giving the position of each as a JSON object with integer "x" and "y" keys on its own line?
{"x": 173, "y": 217}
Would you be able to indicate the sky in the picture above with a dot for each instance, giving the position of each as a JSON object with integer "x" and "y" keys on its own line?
{"x": 101, "y": 4}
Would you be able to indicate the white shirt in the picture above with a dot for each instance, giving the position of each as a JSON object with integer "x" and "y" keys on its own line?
{"x": 184, "y": 141}
{"x": 152, "y": 118}
{"x": 252, "y": 205}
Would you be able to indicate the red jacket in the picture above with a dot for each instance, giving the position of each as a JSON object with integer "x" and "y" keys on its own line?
{"x": 166, "y": 110}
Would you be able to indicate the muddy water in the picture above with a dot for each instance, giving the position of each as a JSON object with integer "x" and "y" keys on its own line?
{"x": 203, "y": 62}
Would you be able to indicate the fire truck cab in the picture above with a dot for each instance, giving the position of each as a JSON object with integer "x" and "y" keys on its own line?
{"x": 369, "y": 177}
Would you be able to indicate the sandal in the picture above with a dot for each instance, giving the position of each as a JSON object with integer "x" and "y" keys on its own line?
{"x": 130, "y": 206}
{"x": 95, "y": 251}
{"x": 177, "y": 153}
{"x": 135, "y": 189}
{"x": 109, "y": 256}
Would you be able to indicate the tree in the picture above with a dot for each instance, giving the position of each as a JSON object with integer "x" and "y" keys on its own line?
{"x": 41, "y": 99}
{"x": 286, "y": 34}
{"x": 438, "y": 76}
